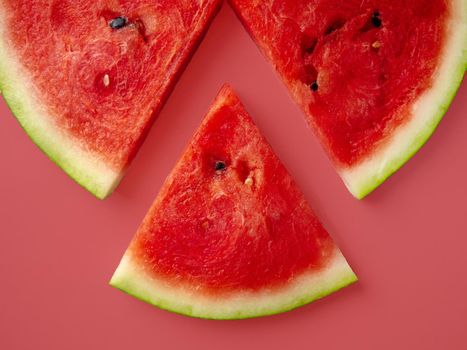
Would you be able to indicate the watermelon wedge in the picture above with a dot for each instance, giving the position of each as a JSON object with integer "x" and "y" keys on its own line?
{"x": 230, "y": 235}
{"x": 85, "y": 79}
{"x": 373, "y": 77}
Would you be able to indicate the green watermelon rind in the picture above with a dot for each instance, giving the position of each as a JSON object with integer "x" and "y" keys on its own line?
{"x": 307, "y": 287}
{"x": 101, "y": 184}
{"x": 362, "y": 187}
{"x": 85, "y": 168}
{"x": 427, "y": 113}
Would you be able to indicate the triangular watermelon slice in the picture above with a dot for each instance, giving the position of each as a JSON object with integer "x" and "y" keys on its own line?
{"x": 230, "y": 235}
{"x": 373, "y": 77}
{"x": 86, "y": 78}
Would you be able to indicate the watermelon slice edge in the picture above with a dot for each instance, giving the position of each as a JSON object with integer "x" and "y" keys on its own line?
{"x": 222, "y": 244}
{"x": 91, "y": 168}
{"x": 429, "y": 110}
{"x": 132, "y": 280}
{"x": 411, "y": 128}
{"x": 14, "y": 86}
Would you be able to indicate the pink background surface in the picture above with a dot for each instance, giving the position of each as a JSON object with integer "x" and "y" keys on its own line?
{"x": 59, "y": 246}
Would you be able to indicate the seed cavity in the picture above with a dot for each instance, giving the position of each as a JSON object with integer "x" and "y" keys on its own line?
{"x": 336, "y": 25}
{"x": 118, "y": 22}
{"x": 311, "y": 46}
{"x": 141, "y": 28}
{"x": 106, "y": 80}
{"x": 219, "y": 166}
{"x": 249, "y": 181}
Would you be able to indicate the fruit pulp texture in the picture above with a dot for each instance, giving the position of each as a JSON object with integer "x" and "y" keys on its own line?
{"x": 102, "y": 69}
{"x": 354, "y": 66}
{"x": 243, "y": 226}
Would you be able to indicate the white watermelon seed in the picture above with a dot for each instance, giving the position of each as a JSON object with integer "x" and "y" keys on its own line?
{"x": 106, "y": 80}
{"x": 249, "y": 181}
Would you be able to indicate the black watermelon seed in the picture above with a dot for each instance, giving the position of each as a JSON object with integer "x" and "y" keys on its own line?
{"x": 118, "y": 23}
{"x": 219, "y": 166}
{"x": 376, "y": 20}
{"x": 314, "y": 86}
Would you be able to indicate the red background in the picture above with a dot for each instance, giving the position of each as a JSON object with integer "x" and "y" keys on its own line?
{"x": 59, "y": 246}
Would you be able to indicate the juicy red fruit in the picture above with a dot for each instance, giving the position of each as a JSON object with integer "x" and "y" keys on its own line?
{"x": 354, "y": 66}
{"x": 102, "y": 69}
{"x": 242, "y": 226}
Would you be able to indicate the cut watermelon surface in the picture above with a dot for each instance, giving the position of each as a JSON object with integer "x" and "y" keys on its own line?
{"x": 230, "y": 235}
{"x": 85, "y": 79}
{"x": 373, "y": 77}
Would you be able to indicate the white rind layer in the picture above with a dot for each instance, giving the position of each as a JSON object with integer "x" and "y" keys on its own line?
{"x": 86, "y": 168}
{"x": 131, "y": 278}
{"x": 427, "y": 112}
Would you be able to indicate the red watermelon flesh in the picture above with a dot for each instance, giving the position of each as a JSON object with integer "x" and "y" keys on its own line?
{"x": 360, "y": 71}
{"x": 87, "y": 78}
{"x": 230, "y": 235}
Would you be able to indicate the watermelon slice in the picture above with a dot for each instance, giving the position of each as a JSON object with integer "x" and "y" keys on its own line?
{"x": 230, "y": 234}
{"x": 373, "y": 77}
{"x": 86, "y": 78}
